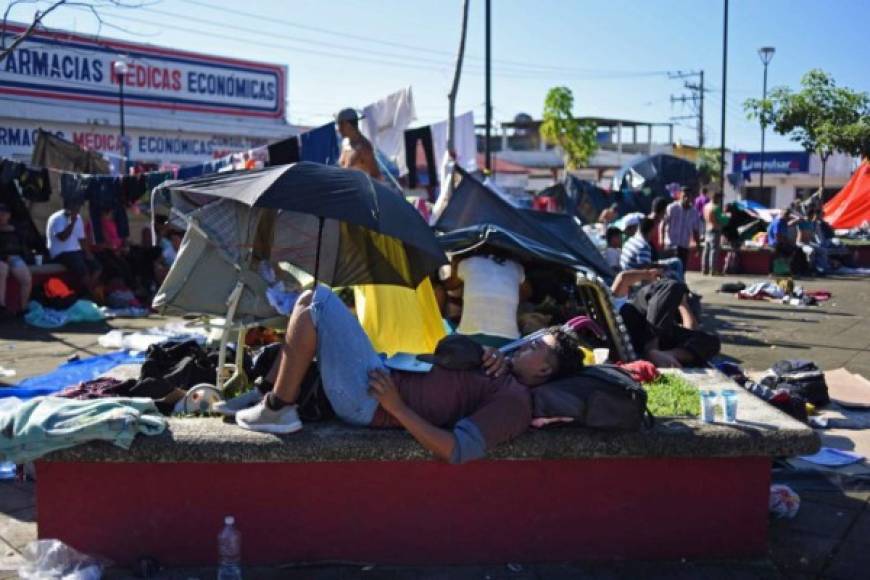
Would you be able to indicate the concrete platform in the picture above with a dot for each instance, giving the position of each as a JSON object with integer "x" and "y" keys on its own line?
{"x": 683, "y": 489}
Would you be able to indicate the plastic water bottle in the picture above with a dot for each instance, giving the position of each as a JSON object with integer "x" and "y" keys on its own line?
{"x": 7, "y": 470}
{"x": 230, "y": 551}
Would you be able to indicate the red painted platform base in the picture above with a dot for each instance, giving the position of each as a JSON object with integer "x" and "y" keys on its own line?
{"x": 411, "y": 512}
{"x": 757, "y": 262}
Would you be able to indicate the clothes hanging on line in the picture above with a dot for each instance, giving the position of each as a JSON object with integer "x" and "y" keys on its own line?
{"x": 33, "y": 182}
{"x": 320, "y": 145}
{"x": 133, "y": 187}
{"x": 53, "y": 152}
{"x": 384, "y": 124}
{"x": 464, "y": 141}
{"x": 12, "y": 195}
{"x": 422, "y": 135}
{"x": 284, "y": 152}
{"x": 191, "y": 171}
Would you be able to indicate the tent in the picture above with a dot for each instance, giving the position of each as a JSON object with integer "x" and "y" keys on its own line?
{"x": 579, "y": 197}
{"x": 851, "y": 206}
{"x": 647, "y": 178}
{"x": 474, "y": 204}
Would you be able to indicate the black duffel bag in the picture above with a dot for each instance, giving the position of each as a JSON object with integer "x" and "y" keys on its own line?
{"x": 801, "y": 377}
{"x": 599, "y": 397}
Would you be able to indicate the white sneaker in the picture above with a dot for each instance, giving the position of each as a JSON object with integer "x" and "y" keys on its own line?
{"x": 262, "y": 418}
{"x": 244, "y": 401}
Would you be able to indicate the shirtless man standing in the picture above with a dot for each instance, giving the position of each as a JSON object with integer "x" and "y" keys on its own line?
{"x": 715, "y": 219}
{"x": 356, "y": 151}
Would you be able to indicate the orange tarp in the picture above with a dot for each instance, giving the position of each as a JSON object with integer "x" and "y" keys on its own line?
{"x": 851, "y": 206}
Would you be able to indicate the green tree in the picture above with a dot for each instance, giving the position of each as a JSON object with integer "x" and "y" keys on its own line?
{"x": 578, "y": 140}
{"x": 821, "y": 116}
{"x": 855, "y": 138}
{"x": 708, "y": 166}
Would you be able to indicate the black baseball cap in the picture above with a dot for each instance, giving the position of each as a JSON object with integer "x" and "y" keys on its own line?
{"x": 456, "y": 352}
{"x": 348, "y": 114}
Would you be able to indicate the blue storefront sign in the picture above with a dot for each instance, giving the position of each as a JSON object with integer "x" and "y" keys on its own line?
{"x": 774, "y": 162}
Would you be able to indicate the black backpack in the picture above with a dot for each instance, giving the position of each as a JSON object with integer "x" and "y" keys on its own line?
{"x": 801, "y": 377}
{"x": 599, "y": 397}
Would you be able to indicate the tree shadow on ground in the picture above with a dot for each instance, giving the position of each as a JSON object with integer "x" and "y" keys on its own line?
{"x": 717, "y": 311}
{"x": 779, "y": 309}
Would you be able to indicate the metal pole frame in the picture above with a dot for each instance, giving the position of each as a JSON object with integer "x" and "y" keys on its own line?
{"x": 763, "y": 131}
{"x": 486, "y": 147}
{"x": 123, "y": 132}
{"x": 724, "y": 93}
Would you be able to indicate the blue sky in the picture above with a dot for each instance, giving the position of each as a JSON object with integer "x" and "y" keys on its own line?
{"x": 613, "y": 54}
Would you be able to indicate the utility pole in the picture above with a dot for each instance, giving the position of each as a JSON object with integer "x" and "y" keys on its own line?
{"x": 695, "y": 97}
{"x": 765, "y": 53}
{"x": 486, "y": 147}
{"x": 724, "y": 95}
{"x": 454, "y": 89}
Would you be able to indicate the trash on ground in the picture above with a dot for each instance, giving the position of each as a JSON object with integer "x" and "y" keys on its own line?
{"x": 49, "y": 559}
{"x": 784, "y": 502}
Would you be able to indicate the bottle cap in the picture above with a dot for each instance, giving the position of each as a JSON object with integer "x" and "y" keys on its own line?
{"x": 229, "y": 520}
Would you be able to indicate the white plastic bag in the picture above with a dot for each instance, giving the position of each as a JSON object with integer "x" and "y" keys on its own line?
{"x": 52, "y": 559}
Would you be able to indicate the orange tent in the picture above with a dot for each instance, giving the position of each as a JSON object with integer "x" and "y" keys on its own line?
{"x": 851, "y": 206}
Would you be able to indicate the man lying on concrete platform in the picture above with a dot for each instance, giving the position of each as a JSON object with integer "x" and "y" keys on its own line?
{"x": 660, "y": 323}
{"x": 455, "y": 414}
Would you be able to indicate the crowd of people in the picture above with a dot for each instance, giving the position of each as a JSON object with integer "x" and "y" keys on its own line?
{"x": 112, "y": 271}
{"x": 477, "y": 395}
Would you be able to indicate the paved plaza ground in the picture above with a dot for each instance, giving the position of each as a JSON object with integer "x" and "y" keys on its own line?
{"x": 828, "y": 538}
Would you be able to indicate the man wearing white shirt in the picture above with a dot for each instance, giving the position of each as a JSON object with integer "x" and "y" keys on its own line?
{"x": 65, "y": 232}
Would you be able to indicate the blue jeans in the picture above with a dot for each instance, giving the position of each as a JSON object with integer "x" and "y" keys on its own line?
{"x": 345, "y": 356}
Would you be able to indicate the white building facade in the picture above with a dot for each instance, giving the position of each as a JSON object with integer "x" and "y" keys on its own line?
{"x": 788, "y": 175}
{"x": 178, "y": 107}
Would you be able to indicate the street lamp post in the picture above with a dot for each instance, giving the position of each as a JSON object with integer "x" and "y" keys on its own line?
{"x": 765, "y": 53}
{"x": 120, "y": 69}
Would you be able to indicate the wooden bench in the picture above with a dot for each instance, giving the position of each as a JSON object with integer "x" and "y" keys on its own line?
{"x": 685, "y": 489}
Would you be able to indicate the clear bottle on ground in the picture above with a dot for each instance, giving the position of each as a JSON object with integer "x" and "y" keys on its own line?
{"x": 229, "y": 551}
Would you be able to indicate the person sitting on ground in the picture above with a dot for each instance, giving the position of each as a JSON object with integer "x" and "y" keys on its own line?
{"x": 356, "y": 151}
{"x": 608, "y": 214}
{"x": 660, "y": 322}
{"x": 491, "y": 288}
{"x": 169, "y": 244}
{"x": 637, "y": 250}
{"x": 787, "y": 259}
{"x": 637, "y": 253}
{"x": 715, "y": 219}
{"x": 112, "y": 251}
{"x": 65, "y": 233}
{"x": 456, "y": 414}
{"x": 613, "y": 251}
{"x": 12, "y": 252}
{"x": 778, "y": 232}
{"x": 631, "y": 223}
{"x": 813, "y": 241}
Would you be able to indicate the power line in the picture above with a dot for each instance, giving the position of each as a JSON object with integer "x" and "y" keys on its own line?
{"x": 417, "y": 49}
{"x": 695, "y": 97}
{"x": 532, "y": 72}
